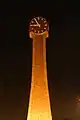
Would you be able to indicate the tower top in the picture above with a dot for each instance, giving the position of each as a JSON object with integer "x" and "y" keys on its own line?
{"x": 38, "y": 26}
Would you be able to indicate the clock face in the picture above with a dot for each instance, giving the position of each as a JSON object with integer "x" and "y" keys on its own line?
{"x": 38, "y": 25}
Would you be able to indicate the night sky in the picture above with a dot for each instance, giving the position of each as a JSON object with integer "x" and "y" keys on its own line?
{"x": 63, "y": 56}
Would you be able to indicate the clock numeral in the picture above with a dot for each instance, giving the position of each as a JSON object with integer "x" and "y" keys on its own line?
{"x": 45, "y": 24}
{"x": 38, "y": 18}
{"x": 31, "y": 25}
{"x": 44, "y": 21}
{"x": 32, "y": 21}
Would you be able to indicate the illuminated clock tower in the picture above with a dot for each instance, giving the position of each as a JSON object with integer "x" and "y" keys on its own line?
{"x": 39, "y": 101}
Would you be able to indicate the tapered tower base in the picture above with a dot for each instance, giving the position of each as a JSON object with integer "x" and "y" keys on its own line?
{"x": 39, "y": 103}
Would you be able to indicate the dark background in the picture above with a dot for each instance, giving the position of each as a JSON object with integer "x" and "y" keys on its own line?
{"x": 63, "y": 56}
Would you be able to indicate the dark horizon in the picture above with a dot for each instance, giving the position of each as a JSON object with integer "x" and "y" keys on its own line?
{"x": 63, "y": 60}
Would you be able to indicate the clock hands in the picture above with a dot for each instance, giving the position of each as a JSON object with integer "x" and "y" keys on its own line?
{"x": 37, "y": 22}
{"x": 34, "y": 25}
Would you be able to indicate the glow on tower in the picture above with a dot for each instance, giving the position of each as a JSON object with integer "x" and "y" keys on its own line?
{"x": 39, "y": 101}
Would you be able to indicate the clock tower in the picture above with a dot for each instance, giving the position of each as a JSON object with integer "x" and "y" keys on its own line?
{"x": 39, "y": 101}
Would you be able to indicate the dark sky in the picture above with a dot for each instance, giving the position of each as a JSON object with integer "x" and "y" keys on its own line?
{"x": 63, "y": 56}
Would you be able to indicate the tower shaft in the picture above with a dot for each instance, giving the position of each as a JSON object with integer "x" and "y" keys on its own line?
{"x": 39, "y": 103}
